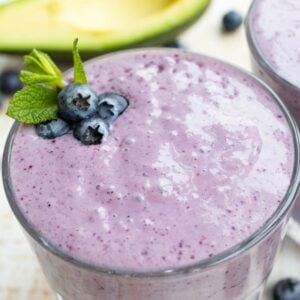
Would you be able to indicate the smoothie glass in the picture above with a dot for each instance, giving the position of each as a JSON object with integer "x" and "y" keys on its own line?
{"x": 287, "y": 90}
{"x": 238, "y": 273}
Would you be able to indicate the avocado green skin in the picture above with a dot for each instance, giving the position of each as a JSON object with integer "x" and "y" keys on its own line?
{"x": 163, "y": 37}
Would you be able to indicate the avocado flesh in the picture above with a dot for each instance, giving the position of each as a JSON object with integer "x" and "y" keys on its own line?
{"x": 100, "y": 25}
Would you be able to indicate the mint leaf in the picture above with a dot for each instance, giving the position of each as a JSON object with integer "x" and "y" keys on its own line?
{"x": 47, "y": 63}
{"x": 33, "y": 65}
{"x": 40, "y": 63}
{"x": 34, "y": 104}
{"x": 79, "y": 73}
{"x": 29, "y": 78}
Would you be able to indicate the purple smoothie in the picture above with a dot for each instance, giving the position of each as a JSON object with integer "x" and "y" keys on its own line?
{"x": 273, "y": 29}
{"x": 276, "y": 29}
{"x": 200, "y": 160}
{"x": 274, "y": 39}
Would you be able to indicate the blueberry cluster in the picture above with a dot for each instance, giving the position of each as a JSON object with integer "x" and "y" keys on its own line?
{"x": 89, "y": 116}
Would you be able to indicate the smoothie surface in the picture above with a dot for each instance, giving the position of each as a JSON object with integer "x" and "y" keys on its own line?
{"x": 276, "y": 30}
{"x": 198, "y": 162}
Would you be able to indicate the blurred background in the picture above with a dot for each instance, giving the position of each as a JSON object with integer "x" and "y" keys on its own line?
{"x": 104, "y": 26}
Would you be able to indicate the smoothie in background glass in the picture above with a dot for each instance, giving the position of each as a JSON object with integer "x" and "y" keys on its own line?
{"x": 187, "y": 198}
{"x": 273, "y": 31}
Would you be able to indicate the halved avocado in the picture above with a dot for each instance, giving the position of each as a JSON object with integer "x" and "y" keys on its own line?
{"x": 100, "y": 25}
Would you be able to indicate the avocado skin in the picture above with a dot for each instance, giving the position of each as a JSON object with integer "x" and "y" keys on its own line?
{"x": 164, "y": 37}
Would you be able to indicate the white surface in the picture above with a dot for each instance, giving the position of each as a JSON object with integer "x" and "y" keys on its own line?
{"x": 20, "y": 275}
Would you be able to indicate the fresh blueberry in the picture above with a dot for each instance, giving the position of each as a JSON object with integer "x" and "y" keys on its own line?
{"x": 232, "y": 20}
{"x": 1, "y": 100}
{"x": 10, "y": 82}
{"x": 174, "y": 44}
{"x": 77, "y": 102}
{"x": 91, "y": 131}
{"x": 287, "y": 289}
{"x": 111, "y": 106}
{"x": 53, "y": 129}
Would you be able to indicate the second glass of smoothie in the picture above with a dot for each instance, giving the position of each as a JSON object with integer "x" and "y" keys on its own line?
{"x": 187, "y": 198}
{"x": 273, "y": 32}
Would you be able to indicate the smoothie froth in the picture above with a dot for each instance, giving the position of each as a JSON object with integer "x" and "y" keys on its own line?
{"x": 197, "y": 163}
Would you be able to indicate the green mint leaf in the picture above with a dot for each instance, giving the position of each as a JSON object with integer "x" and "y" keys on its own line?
{"x": 29, "y": 78}
{"x": 47, "y": 63}
{"x": 34, "y": 104}
{"x": 40, "y": 63}
{"x": 33, "y": 65}
{"x": 79, "y": 73}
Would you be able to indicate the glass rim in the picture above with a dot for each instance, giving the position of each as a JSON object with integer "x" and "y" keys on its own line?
{"x": 257, "y": 52}
{"x": 206, "y": 263}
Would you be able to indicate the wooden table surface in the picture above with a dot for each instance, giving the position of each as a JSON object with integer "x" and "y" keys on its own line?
{"x": 20, "y": 275}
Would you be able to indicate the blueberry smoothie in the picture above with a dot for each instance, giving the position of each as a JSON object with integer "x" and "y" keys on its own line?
{"x": 199, "y": 162}
{"x": 274, "y": 38}
{"x": 276, "y": 30}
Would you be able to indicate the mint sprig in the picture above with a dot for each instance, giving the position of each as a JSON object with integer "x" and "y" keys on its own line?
{"x": 30, "y": 78}
{"x": 34, "y": 104}
{"x": 41, "y": 69}
{"x": 79, "y": 73}
{"x": 37, "y": 101}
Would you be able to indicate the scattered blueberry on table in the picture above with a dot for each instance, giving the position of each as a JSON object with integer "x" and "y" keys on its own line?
{"x": 10, "y": 82}
{"x": 174, "y": 44}
{"x": 1, "y": 100}
{"x": 287, "y": 289}
{"x": 232, "y": 20}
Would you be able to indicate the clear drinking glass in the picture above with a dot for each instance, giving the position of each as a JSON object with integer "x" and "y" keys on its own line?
{"x": 287, "y": 91}
{"x": 236, "y": 274}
